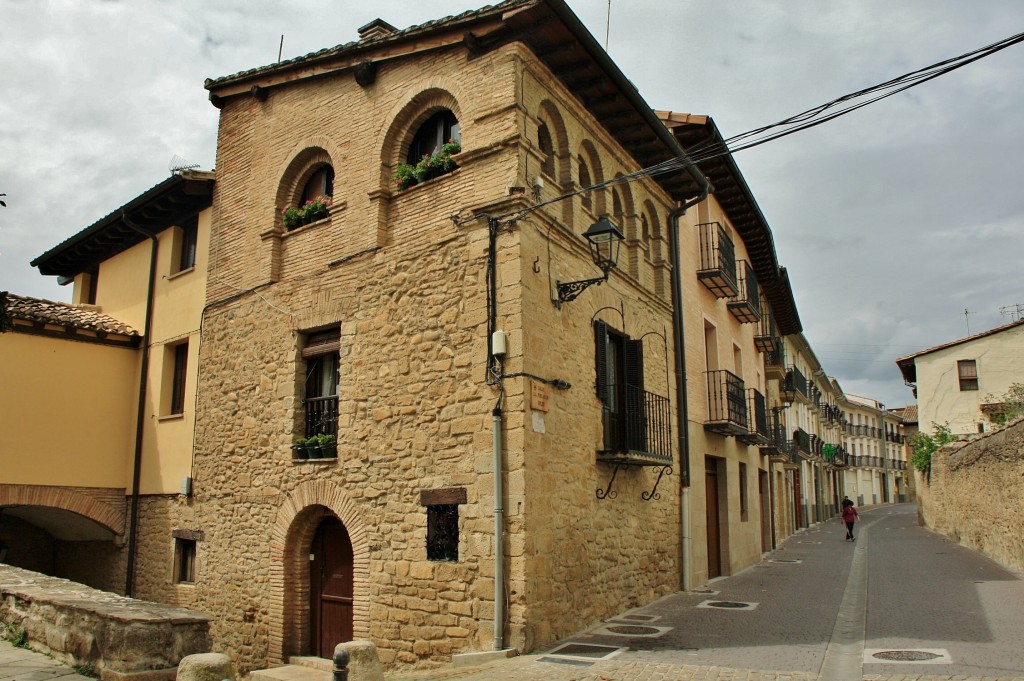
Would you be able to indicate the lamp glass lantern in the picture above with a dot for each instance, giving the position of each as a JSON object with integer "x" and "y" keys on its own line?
{"x": 604, "y": 239}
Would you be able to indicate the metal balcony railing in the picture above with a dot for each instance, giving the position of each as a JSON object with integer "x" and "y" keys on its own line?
{"x": 745, "y": 306}
{"x": 641, "y": 432}
{"x": 727, "y": 404}
{"x": 795, "y": 382}
{"x": 766, "y": 338}
{"x": 757, "y": 419}
{"x": 717, "y": 260}
{"x": 321, "y": 415}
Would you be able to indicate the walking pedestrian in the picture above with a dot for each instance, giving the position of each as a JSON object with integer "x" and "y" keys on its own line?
{"x": 850, "y": 516}
{"x": 846, "y": 501}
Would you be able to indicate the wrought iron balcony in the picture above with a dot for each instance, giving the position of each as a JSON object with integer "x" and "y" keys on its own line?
{"x": 766, "y": 338}
{"x": 757, "y": 417}
{"x": 727, "y": 404}
{"x": 717, "y": 261}
{"x": 745, "y": 306}
{"x": 802, "y": 442}
{"x": 777, "y": 447}
{"x": 794, "y": 385}
{"x": 775, "y": 362}
{"x": 321, "y": 415}
{"x": 640, "y": 433}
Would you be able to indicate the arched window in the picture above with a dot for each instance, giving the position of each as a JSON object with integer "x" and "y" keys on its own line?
{"x": 437, "y": 130}
{"x": 645, "y": 229}
{"x": 431, "y": 150}
{"x": 320, "y": 183}
{"x": 547, "y": 149}
{"x": 585, "y": 182}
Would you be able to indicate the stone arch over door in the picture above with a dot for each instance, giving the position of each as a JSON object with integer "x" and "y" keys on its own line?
{"x": 290, "y": 538}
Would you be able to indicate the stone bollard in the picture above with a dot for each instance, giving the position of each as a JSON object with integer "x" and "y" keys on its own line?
{"x": 363, "y": 664}
{"x": 206, "y": 667}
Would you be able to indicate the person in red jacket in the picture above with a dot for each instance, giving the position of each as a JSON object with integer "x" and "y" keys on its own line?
{"x": 850, "y": 516}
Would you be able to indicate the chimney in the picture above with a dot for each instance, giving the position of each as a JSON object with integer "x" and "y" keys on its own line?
{"x": 378, "y": 28}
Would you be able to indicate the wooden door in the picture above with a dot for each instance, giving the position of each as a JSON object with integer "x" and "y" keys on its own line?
{"x": 330, "y": 587}
{"x": 714, "y": 529}
{"x": 798, "y": 500}
{"x": 766, "y": 511}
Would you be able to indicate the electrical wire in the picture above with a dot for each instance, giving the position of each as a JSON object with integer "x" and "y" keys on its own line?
{"x": 802, "y": 121}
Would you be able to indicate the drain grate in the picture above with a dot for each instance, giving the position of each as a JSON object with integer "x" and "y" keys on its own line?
{"x": 584, "y": 651}
{"x": 728, "y": 605}
{"x": 905, "y": 656}
{"x": 635, "y": 618}
{"x": 918, "y": 656}
{"x": 631, "y": 630}
{"x": 573, "y": 663}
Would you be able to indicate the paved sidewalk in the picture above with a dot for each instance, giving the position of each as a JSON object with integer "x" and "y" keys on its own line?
{"x": 20, "y": 664}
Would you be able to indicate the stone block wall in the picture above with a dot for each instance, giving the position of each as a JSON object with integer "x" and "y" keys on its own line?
{"x": 975, "y": 494}
{"x": 116, "y": 637}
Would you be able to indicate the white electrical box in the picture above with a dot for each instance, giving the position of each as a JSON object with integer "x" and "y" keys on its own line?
{"x": 498, "y": 343}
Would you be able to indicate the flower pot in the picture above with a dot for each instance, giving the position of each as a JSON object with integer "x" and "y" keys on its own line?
{"x": 301, "y": 450}
{"x": 329, "y": 451}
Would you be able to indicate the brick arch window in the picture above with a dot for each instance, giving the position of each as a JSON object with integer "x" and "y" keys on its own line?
{"x": 306, "y": 192}
{"x": 585, "y": 181}
{"x": 440, "y": 128}
{"x": 547, "y": 149}
{"x": 320, "y": 183}
{"x": 430, "y": 150}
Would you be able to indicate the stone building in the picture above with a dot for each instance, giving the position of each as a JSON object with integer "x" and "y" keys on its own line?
{"x": 484, "y": 358}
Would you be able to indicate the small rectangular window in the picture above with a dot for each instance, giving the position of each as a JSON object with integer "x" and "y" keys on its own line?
{"x": 743, "y": 491}
{"x": 189, "y": 238}
{"x": 177, "y": 405}
{"x": 443, "y": 532}
{"x": 184, "y": 561}
{"x": 967, "y": 370}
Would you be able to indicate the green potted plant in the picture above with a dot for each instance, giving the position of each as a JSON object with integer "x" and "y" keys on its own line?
{"x": 430, "y": 166}
{"x": 327, "y": 445}
{"x": 313, "y": 210}
{"x": 301, "y": 448}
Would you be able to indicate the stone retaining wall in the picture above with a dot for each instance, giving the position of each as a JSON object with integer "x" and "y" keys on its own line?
{"x": 119, "y": 638}
{"x": 976, "y": 492}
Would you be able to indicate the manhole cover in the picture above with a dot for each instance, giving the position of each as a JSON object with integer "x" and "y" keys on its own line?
{"x": 726, "y": 604}
{"x": 632, "y": 629}
{"x": 906, "y": 655}
{"x": 573, "y": 663}
{"x": 640, "y": 618}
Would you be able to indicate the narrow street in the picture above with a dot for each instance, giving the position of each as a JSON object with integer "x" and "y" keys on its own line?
{"x": 900, "y": 602}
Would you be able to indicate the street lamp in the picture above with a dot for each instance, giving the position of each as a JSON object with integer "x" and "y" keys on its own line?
{"x": 604, "y": 239}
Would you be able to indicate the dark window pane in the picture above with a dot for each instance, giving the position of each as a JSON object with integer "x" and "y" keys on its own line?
{"x": 437, "y": 130}
{"x": 189, "y": 236}
{"x": 180, "y": 371}
{"x": 443, "y": 532}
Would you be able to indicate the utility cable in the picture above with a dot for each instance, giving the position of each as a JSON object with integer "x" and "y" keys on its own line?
{"x": 802, "y": 121}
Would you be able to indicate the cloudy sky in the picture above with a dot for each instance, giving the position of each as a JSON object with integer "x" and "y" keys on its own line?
{"x": 892, "y": 221}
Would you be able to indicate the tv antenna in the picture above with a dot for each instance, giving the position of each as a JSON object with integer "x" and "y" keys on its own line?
{"x": 967, "y": 318}
{"x": 178, "y": 164}
{"x": 1015, "y": 312}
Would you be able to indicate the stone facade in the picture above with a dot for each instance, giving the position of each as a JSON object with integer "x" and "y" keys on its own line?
{"x": 974, "y": 494}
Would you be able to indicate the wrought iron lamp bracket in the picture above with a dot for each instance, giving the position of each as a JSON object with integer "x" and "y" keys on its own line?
{"x": 570, "y": 290}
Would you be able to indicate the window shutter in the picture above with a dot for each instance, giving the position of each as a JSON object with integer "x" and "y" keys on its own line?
{"x": 601, "y": 352}
{"x": 634, "y": 360}
{"x": 322, "y": 343}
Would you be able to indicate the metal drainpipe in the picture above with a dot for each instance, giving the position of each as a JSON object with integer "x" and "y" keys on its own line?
{"x": 683, "y": 412}
{"x": 496, "y": 424}
{"x": 141, "y": 412}
{"x": 499, "y": 544}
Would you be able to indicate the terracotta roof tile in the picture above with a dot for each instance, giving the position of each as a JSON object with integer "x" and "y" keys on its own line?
{"x": 63, "y": 314}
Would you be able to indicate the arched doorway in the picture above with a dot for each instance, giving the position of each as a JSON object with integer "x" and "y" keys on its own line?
{"x": 330, "y": 587}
